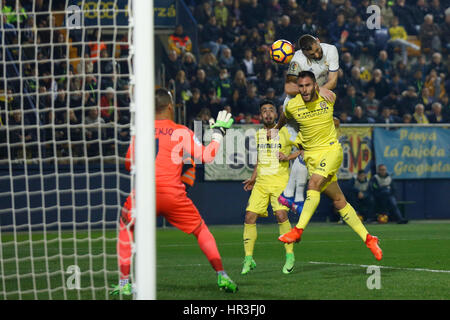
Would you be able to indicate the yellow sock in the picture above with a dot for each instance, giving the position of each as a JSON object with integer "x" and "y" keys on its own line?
{"x": 351, "y": 218}
{"x": 284, "y": 228}
{"x": 250, "y": 236}
{"x": 309, "y": 207}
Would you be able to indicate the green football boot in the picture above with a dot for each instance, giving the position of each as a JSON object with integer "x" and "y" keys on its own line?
{"x": 249, "y": 264}
{"x": 225, "y": 283}
{"x": 289, "y": 265}
{"x": 126, "y": 290}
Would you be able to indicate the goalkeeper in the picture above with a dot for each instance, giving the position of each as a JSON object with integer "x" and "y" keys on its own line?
{"x": 172, "y": 140}
{"x": 269, "y": 178}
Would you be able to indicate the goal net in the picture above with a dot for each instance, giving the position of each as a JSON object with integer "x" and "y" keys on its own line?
{"x": 65, "y": 128}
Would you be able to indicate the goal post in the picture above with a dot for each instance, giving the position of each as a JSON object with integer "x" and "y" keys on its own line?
{"x": 145, "y": 150}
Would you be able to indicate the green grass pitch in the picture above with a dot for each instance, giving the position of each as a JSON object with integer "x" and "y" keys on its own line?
{"x": 331, "y": 263}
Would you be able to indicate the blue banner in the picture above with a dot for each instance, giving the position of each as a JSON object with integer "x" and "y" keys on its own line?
{"x": 101, "y": 12}
{"x": 165, "y": 13}
{"x": 414, "y": 152}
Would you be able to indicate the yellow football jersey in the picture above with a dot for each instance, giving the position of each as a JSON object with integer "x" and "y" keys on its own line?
{"x": 270, "y": 169}
{"x": 315, "y": 119}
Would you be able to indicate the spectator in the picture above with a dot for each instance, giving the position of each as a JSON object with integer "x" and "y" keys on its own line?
{"x": 179, "y": 41}
{"x": 399, "y": 38}
{"x": 346, "y": 63}
{"x": 381, "y": 36}
{"x": 270, "y": 32}
{"x": 386, "y": 116}
{"x": 397, "y": 82}
{"x": 204, "y": 115}
{"x": 296, "y": 12}
{"x": 359, "y": 117}
{"x": 254, "y": 40}
{"x": 236, "y": 102}
{"x": 194, "y": 105}
{"x": 362, "y": 9}
{"x": 404, "y": 13}
{"x": 85, "y": 66}
{"x": 360, "y": 36}
{"x": 435, "y": 85}
{"x": 254, "y": 14}
{"x": 436, "y": 115}
{"x": 348, "y": 103}
{"x": 223, "y": 85}
{"x": 212, "y": 37}
{"x": 429, "y": 34}
{"x": 240, "y": 82}
{"x": 213, "y": 102}
{"x": 221, "y": 13}
{"x": 172, "y": 64}
{"x": 418, "y": 12}
{"x": 344, "y": 117}
{"x": 201, "y": 82}
{"x": 437, "y": 64}
{"x": 419, "y": 65}
{"x": 380, "y": 84}
{"x": 419, "y": 115}
{"x": 109, "y": 106}
{"x": 437, "y": 11}
{"x": 227, "y": 61}
{"x": 232, "y": 33}
{"x": 362, "y": 196}
{"x": 202, "y": 13}
{"x": 383, "y": 63}
{"x": 94, "y": 131}
{"x": 355, "y": 81}
{"x": 326, "y": 12}
{"x": 371, "y": 104}
{"x": 287, "y": 31}
{"x": 407, "y": 118}
{"x": 426, "y": 99}
{"x": 273, "y": 10}
{"x": 408, "y": 100}
{"x": 251, "y": 100}
{"x": 182, "y": 88}
{"x": 382, "y": 188}
{"x": 309, "y": 27}
{"x": 445, "y": 102}
{"x": 189, "y": 65}
{"x": 348, "y": 10}
{"x": 267, "y": 81}
{"x": 386, "y": 12}
{"x": 445, "y": 31}
{"x": 391, "y": 100}
{"x": 208, "y": 62}
{"x": 339, "y": 34}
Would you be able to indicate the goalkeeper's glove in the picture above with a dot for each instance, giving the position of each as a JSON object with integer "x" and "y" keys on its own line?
{"x": 220, "y": 126}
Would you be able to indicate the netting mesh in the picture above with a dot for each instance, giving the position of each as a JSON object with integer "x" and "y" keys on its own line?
{"x": 65, "y": 119}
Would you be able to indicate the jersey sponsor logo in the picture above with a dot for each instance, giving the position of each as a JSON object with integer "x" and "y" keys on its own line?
{"x": 269, "y": 146}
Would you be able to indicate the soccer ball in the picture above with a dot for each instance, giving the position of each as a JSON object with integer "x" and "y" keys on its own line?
{"x": 383, "y": 218}
{"x": 281, "y": 51}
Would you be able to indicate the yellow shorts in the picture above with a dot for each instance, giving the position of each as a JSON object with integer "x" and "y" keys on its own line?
{"x": 325, "y": 162}
{"x": 261, "y": 196}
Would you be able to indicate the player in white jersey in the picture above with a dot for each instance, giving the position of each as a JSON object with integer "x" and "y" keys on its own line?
{"x": 322, "y": 59}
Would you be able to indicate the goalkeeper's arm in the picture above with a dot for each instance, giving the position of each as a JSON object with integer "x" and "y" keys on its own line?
{"x": 219, "y": 127}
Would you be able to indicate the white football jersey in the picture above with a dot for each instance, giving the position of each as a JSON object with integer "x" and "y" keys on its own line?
{"x": 328, "y": 63}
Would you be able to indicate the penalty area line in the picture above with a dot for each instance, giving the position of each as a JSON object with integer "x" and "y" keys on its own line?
{"x": 381, "y": 267}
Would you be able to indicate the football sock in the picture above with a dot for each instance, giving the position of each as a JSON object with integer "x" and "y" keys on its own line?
{"x": 250, "y": 235}
{"x": 208, "y": 245}
{"x": 349, "y": 215}
{"x": 309, "y": 207}
{"x": 285, "y": 227}
{"x": 124, "y": 244}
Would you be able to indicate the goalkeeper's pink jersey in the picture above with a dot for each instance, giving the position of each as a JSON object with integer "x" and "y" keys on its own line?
{"x": 171, "y": 141}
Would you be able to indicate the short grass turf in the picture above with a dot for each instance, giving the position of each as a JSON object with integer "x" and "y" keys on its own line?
{"x": 331, "y": 263}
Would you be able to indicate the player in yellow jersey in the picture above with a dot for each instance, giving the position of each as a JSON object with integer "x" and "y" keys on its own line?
{"x": 323, "y": 156}
{"x": 268, "y": 180}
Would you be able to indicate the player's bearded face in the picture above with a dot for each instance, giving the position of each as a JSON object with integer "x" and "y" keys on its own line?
{"x": 315, "y": 53}
{"x": 307, "y": 89}
{"x": 268, "y": 115}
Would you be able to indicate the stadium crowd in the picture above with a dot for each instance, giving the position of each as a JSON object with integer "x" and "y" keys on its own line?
{"x": 395, "y": 74}
{"x": 63, "y": 93}
{"x": 70, "y": 88}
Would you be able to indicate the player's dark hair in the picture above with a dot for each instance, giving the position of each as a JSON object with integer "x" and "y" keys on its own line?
{"x": 266, "y": 101}
{"x": 306, "y": 41}
{"x": 162, "y": 99}
{"x": 307, "y": 74}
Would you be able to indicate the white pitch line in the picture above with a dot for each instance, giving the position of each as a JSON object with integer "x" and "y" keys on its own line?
{"x": 381, "y": 267}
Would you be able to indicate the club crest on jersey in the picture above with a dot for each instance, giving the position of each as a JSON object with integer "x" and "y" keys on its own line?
{"x": 323, "y": 105}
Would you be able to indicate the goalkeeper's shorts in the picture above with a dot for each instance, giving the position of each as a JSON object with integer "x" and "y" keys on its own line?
{"x": 174, "y": 205}
{"x": 262, "y": 195}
